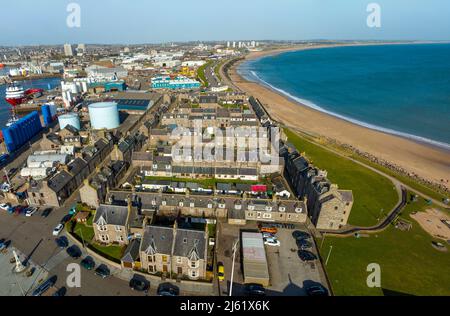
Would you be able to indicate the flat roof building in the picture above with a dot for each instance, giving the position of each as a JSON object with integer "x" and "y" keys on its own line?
{"x": 255, "y": 265}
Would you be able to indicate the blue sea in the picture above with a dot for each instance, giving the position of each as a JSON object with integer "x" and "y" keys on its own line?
{"x": 398, "y": 89}
{"x": 5, "y": 108}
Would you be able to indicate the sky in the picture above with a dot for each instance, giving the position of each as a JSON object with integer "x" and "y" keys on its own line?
{"x": 31, "y": 22}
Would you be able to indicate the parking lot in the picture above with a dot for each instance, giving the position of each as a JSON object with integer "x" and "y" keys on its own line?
{"x": 289, "y": 275}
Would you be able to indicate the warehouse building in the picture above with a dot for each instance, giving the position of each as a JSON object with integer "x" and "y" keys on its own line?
{"x": 255, "y": 265}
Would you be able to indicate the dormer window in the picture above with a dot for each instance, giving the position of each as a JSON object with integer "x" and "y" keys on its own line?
{"x": 221, "y": 205}
{"x": 268, "y": 208}
{"x": 153, "y": 202}
{"x": 164, "y": 202}
{"x": 181, "y": 204}
{"x": 210, "y": 205}
{"x": 192, "y": 204}
{"x": 251, "y": 207}
{"x": 238, "y": 206}
{"x": 299, "y": 210}
{"x": 282, "y": 209}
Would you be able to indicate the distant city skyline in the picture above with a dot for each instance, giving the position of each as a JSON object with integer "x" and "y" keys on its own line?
{"x": 118, "y": 22}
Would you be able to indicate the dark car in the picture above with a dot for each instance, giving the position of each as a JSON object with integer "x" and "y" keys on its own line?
{"x": 44, "y": 286}
{"x": 303, "y": 244}
{"x": 298, "y": 234}
{"x": 306, "y": 255}
{"x": 88, "y": 263}
{"x": 74, "y": 252}
{"x": 62, "y": 242}
{"x": 255, "y": 290}
{"x": 316, "y": 290}
{"x": 66, "y": 219}
{"x": 168, "y": 290}
{"x": 103, "y": 271}
{"x": 139, "y": 285}
{"x": 46, "y": 212}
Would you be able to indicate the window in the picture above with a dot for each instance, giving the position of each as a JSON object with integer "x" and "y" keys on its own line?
{"x": 209, "y": 205}
{"x": 194, "y": 264}
{"x": 251, "y": 207}
{"x": 102, "y": 228}
{"x": 153, "y": 202}
{"x": 151, "y": 269}
{"x": 151, "y": 258}
{"x": 104, "y": 238}
{"x": 193, "y": 273}
{"x": 163, "y": 203}
{"x": 119, "y": 238}
{"x": 192, "y": 204}
{"x": 118, "y": 228}
{"x": 282, "y": 209}
{"x": 268, "y": 208}
{"x": 267, "y": 215}
{"x": 221, "y": 205}
{"x": 238, "y": 206}
{"x": 164, "y": 259}
{"x": 179, "y": 260}
{"x": 181, "y": 204}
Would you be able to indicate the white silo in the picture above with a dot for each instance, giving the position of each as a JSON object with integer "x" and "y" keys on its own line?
{"x": 104, "y": 115}
{"x": 69, "y": 119}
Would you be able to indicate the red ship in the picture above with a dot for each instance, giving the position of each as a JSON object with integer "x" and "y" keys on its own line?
{"x": 16, "y": 95}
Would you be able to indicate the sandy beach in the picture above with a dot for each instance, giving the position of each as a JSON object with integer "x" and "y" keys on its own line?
{"x": 429, "y": 162}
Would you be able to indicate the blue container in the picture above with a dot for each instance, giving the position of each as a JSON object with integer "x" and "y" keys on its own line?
{"x": 46, "y": 114}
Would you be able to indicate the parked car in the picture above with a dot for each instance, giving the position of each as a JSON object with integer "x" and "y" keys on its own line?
{"x": 304, "y": 244}
{"x": 46, "y": 212}
{"x": 3, "y": 244}
{"x": 167, "y": 289}
{"x": 62, "y": 242}
{"x": 221, "y": 271}
{"x": 316, "y": 290}
{"x": 44, "y": 287}
{"x": 30, "y": 211}
{"x": 57, "y": 230}
{"x": 5, "y": 207}
{"x": 254, "y": 290}
{"x": 139, "y": 285}
{"x": 74, "y": 252}
{"x": 268, "y": 235}
{"x": 88, "y": 263}
{"x": 66, "y": 219}
{"x": 297, "y": 234}
{"x": 306, "y": 255}
{"x": 272, "y": 242}
{"x": 103, "y": 271}
{"x": 270, "y": 230}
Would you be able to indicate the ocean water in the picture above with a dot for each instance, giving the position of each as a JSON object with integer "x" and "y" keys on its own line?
{"x": 398, "y": 89}
{"x": 5, "y": 108}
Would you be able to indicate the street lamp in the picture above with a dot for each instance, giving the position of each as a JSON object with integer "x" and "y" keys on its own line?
{"x": 232, "y": 267}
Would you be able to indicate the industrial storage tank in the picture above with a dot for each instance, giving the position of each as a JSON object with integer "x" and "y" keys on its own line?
{"x": 104, "y": 115}
{"x": 69, "y": 119}
{"x": 22, "y": 131}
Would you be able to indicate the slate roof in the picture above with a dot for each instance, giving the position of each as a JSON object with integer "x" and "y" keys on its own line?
{"x": 185, "y": 241}
{"x": 112, "y": 214}
{"x": 159, "y": 237}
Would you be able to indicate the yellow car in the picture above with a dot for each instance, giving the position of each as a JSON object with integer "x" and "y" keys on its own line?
{"x": 221, "y": 272}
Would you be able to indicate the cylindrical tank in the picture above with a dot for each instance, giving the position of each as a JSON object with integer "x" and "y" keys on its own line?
{"x": 104, "y": 115}
{"x": 69, "y": 119}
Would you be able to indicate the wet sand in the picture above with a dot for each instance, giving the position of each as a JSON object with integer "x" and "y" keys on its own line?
{"x": 426, "y": 161}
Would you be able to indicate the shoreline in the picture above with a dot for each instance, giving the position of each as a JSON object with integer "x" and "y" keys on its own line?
{"x": 429, "y": 161}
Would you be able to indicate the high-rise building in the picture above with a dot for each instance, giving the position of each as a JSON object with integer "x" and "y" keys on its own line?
{"x": 81, "y": 49}
{"x": 68, "y": 51}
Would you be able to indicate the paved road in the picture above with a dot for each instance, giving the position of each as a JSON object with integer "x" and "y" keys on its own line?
{"x": 210, "y": 74}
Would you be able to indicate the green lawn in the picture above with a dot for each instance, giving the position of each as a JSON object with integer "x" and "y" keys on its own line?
{"x": 201, "y": 73}
{"x": 85, "y": 233}
{"x": 372, "y": 192}
{"x": 409, "y": 264}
